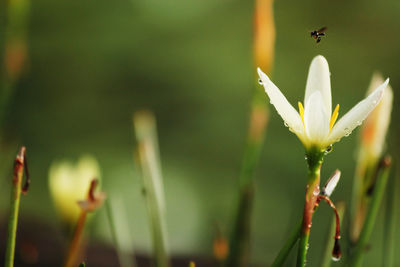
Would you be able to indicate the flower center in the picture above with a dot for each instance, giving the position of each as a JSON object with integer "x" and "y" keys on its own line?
{"x": 334, "y": 117}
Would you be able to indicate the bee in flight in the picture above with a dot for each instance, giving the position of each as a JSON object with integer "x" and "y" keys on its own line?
{"x": 318, "y": 34}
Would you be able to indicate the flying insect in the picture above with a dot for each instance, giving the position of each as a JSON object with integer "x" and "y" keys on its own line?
{"x": 317, "y": 34}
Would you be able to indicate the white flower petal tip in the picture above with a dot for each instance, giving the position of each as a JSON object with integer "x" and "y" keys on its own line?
{"x": 290, "y": 115}
{"x": 319, "y": 80}
{"x": 319, "y": 60}
{"x": 331, "y": 184}
{"x": 357, "y": 114}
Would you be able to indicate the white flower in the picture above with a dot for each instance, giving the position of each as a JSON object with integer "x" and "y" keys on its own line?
{"x": 315, "y": 124}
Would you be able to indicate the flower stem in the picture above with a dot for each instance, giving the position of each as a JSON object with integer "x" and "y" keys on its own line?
{"x": 356, "y": 258}
{"x": 314, "y": 159}
{"x": 93, "y": 202}
{"x": 75, "y": 245}
{"x": 15, "y": 200}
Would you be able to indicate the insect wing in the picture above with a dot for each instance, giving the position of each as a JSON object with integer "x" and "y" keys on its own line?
{"x": 322, "y": 30}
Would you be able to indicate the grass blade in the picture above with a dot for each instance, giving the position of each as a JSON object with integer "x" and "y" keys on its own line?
{"x": 148, "y": 152}
{"x": 120, "y": 232}
{"x": 390, "y": 223}
{"x": 357, "y": 256}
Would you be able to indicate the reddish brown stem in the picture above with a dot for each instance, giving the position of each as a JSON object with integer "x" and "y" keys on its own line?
{"x": 75, "y": 245}
{"x": 336, "y": 252}
{"x": 311, "y": 202}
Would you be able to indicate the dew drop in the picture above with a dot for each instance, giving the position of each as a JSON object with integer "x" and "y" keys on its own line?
{"x": 328, "y": 149}
{"x": 260, "y": 81}
{"x": 285, "y": 123}
{"x": 334, "y": 258}
{"x": 347, "y": 131}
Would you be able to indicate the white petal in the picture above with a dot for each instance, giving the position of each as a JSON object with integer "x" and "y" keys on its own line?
{"x": 319, "y": 80}
{"x": 284, "y": 108}
{"x": 357, "y": 114}
{"x": 331, "y": 183}
{"x": 316, "y": 120}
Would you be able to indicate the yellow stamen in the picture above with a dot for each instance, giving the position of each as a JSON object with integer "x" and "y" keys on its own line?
{"x": 335, "y": 114}
{"x": 301, "y": 111}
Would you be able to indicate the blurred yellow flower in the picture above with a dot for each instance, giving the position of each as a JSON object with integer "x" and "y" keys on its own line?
{"x": 70, "y": 183}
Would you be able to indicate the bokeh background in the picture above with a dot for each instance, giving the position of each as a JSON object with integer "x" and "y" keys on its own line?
{"x": 91, "y": 64}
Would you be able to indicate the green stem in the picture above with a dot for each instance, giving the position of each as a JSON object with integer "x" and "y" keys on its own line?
{"x": 120, "y": 231}
{"x": 287, "y": 247}
{"x": 148, "y": 151}
{"x": 240, "y": 236}
{"x": 15, "y": 200}
{"x": 390, "y": 223}
{"x": 356, "y": 258}
{"x": 302, "y": 252}
{"x": 314, "y": 160}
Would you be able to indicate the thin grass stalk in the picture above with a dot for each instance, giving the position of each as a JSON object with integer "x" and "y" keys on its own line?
{"x": 288, "y": 246}
{"x": 390, "y": 223}
{"x": 357, "y": 256}
{"x": 119, "y": 232}
{"x": 148, "y": 152}
{"x": 15, "y": 203}
{"x": 263, "y": 51}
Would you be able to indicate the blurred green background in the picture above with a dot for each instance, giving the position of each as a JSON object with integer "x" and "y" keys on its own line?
{"x": 93, "y": 63}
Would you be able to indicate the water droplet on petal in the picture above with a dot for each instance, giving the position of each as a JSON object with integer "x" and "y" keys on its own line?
{"x": 260, "y": 81}
{"x": 285, "y": 123}
{"x": 334, "y": 258}
{"x": 328, "y": 149}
